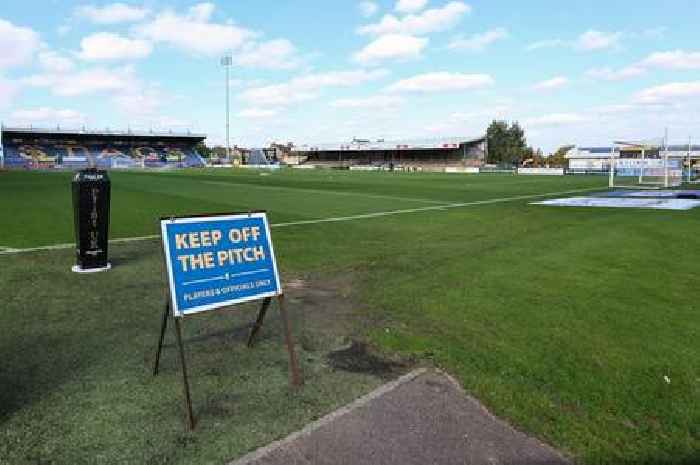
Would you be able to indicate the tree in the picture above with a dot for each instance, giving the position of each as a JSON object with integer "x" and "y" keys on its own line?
{"x": 558, "y": 158}
{"x": 507, "y": 144}
{"x": 203, "y": 150}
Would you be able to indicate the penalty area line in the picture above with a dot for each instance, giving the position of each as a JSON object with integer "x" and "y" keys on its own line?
{"x": 337, "y": 219}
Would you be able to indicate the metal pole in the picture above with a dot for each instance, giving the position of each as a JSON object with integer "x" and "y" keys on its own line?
{"x": 611, "y": 179}
{"x": 690, "y": 159}
{"x": 228, "y": 142}
{"x": 163, "y": 325}
{"x": 294, "y": 375}
{"x": 185, "y": 382}
{"x": 226, "y": 62}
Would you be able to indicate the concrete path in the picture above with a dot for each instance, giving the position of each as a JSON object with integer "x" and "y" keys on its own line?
{"x": 422, "y": 418}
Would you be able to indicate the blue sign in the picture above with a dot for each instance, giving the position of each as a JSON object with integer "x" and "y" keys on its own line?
{"x": 217, "y": 261}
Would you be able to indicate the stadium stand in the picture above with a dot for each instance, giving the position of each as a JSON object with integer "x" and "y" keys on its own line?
{"x": 65, "y": 149}
{"x": 429, "y": 155}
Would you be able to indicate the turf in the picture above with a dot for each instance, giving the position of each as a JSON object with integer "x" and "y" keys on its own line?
{"x": 568, "y": 322}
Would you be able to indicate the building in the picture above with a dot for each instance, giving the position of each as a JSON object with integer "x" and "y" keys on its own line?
{"x": 74, "y": 149}
{"x": 596, "y": 160}
{"x": 428, "y": 154}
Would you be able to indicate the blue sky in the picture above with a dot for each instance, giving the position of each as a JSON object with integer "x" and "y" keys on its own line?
{"x": 327, "y": 71}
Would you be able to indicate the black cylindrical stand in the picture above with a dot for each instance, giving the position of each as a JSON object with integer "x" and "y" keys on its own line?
{"x": 91, "y": 192}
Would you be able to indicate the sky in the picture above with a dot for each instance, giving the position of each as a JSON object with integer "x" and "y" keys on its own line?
{"x": 317, "y": 71}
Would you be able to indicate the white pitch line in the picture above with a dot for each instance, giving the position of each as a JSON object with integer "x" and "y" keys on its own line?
{"x": 336, "y": 219}
{"x": 424, "y": 209}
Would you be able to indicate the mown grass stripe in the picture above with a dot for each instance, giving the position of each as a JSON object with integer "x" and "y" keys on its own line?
{"x": 326, "y": 192}
{"x": 336, "y": 219}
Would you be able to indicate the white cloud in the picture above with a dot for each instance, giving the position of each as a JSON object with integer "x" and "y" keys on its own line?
{"x": 432, "y": 20}
{"x": 670, "y": 92}
{"x": 441, "y": 82}
{"x": 139, "y": 101}
{"x": 194, "y": 32}
{"x": 588, "y": 41}
{"x": 55, "y": 62}
{"x": 256, "y": 113}
{"x": 392, "y": 47}
{"x": 8, "y": 91}
{"x": 108, "y": 46}
{"x": 87, "y": 82}
{"x": 479, "y": 42}
{"x": 556, "y": 119}
{"x": 551, "y": 84}
{"x": 272, "y": 54}
{"x": 306, "y": 87}
{"x": 47, "y": 115}
{"x": 112, "y": 13}
{"x": 592, "y": 40}
{"x": 368, "y": 9}
{"x": 676, "y": 59}
{"x": 609, "y": 74}
{"x": 410, "y": 6}
{"x": 18, "y": 44}
{"x": 549, "y": 43}
{"x": 616, "y": 109}
{"x": 373, "y": 102}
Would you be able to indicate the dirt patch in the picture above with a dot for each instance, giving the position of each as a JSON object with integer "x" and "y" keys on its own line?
{"x": 358, "y": 358}
{"x": 324, "y": 311}
{"x": 331, "y": 321}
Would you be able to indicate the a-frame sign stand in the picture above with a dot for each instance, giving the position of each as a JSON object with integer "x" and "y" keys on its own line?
{"x": 294, "y": 372}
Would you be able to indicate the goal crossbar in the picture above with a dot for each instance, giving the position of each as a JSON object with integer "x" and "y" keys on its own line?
{"x": 659, "y": 172}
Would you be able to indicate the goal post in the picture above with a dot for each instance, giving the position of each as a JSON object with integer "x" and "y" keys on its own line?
{"x": 646, "y": 173}
{"x": 691, "y": 168}
{"x": 643, "y": 166}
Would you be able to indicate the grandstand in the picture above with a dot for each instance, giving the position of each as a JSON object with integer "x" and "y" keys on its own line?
{"x": 426, "y": 154}
{"x": 74, "y": 149}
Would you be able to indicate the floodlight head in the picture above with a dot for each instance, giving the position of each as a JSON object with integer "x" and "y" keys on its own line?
{"x": 227, "y": 60}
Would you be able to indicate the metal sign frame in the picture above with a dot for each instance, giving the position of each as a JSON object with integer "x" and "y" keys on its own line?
{"x": 178, "y": 317}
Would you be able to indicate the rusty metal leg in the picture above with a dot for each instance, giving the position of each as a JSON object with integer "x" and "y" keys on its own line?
{"x": 259, "y": 322}
{"x": 186, "y": 385}
{"x": 294, "y": 373}
{"x": 164, "y": 324}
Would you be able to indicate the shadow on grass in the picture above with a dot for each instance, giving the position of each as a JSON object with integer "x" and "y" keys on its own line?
{"x": 359, "y": 359}
{"x": 34, "y": 366}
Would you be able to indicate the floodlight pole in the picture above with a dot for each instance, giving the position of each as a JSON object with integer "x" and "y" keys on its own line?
{"x": 226, "y": 62}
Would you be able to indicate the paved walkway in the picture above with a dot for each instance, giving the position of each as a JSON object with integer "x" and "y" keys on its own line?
{"x": 422, "y": 418}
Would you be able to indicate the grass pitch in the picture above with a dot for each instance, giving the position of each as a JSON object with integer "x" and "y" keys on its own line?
{"x": 578, "y": 325}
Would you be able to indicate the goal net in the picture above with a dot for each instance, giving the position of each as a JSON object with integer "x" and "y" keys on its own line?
{"x": 691, "y": 168}
{"x": 644, "y": 165}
